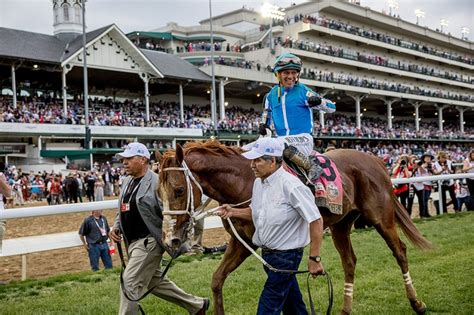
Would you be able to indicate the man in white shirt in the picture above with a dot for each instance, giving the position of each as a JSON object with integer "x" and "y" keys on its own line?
{"x": 286, "y": 219}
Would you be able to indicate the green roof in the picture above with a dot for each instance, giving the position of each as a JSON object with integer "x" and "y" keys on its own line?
{"x": 170, "y": 36}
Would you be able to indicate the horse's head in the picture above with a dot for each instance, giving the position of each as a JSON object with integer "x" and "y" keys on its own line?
{"x": 181, "y": 195}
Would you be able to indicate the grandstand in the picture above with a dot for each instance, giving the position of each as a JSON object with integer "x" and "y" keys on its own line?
{"x": 403, "y": 80}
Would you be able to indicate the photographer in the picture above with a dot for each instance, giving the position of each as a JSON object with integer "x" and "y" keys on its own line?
{"x": 444, "y": 167}
{"x": 400, "y": 170}
{"x": 415, "y": 189}
{"x": 425, "y": 168}
{"x": 468, "y": 167}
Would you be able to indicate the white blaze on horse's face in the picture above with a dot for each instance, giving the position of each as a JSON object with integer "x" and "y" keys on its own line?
{"x": 169, "y": 222}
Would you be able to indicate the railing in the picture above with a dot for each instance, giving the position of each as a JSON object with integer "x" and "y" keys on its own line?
{"x": 26, "y": 245}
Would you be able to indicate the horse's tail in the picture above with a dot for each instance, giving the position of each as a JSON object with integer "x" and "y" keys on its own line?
{"x": 409, "y": 229}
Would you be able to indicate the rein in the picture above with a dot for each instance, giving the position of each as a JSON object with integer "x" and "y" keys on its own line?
{"x": 201, "y": 213}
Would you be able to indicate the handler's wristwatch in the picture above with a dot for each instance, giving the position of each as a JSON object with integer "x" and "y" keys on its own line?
{"x": 315, "y": 258}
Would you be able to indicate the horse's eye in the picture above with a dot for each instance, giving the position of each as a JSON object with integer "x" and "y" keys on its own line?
{"x": 178, "y": 192}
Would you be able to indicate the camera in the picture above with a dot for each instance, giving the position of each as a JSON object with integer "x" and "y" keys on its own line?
{"x": 403, "y": 162}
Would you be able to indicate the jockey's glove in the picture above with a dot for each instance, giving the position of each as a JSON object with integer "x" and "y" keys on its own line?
{"x": 262, "y": 129}
{"x": 314, "y": 101}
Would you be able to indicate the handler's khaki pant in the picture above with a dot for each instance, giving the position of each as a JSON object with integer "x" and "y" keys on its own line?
{"x": 143, "y": 272}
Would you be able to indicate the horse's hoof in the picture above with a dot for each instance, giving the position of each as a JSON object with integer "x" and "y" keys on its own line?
{"x": 418, "y": 306}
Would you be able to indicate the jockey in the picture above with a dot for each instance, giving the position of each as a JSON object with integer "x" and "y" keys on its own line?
{"x": 289, "y": 106}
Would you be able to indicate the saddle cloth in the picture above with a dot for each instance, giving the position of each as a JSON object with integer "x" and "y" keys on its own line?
{"x": 328, "y": 190}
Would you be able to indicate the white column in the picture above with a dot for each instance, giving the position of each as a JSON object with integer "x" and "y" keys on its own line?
{"x": 91, "y": 156}
{"x": 461, "y": 118}
{"x": 181, "y": 103}
{"x": 417, "y": 116}
{"x": 40, "y": 146}
{"x": 321, "y": 119}
{"x": 146, "y": 79}
{"x": 389, "y": 113}
{"x": 64, "y": 91}
{"x": 14, "y": 86}
{"x": 357, "y": 103}
{"x": 440, "y": 117}
{"x": 222, "y": 99}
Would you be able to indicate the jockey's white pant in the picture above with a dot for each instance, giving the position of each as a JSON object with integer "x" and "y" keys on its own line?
{"x": 303, "y": 142}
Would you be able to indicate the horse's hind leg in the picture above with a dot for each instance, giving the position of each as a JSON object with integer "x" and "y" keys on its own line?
{"x": 234, "y": 255}
{"x": 399, "y": 250}
{"x": 340, "y": 233}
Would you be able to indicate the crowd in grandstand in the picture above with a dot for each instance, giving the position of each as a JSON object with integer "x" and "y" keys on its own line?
{"x": 238, "y": 120}
{"x": 385, "y": 38}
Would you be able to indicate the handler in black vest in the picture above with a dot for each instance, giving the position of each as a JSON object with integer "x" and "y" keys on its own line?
{"x": 139, "y": 221}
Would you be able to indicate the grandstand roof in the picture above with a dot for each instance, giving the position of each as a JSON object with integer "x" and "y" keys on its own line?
{"x": 174, "y": 67}
{"x": 32, "y": 46}
{"x": 76, "y": 43}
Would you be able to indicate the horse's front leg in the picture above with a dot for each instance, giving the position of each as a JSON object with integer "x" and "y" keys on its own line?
{"x": 234, "y": 255}
{"x": 340, "y": 233}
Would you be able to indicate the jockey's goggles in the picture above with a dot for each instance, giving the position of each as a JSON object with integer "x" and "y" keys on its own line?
{"x": 288, "y": 61}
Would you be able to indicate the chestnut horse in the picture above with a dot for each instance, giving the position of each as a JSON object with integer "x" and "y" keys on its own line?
{"x": 225, "y": 176}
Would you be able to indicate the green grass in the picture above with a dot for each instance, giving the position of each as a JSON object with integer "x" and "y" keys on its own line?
{"x": 444, "y": 279}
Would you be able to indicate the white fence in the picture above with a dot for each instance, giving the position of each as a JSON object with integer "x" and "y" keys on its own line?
{"x": 25, "y": 245}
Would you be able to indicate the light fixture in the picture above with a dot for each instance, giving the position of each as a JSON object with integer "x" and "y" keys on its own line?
{"x": 208, "y": 91}
{"x": 444, "y": 23}
{"x": 226, "y": 104}
{"x": 35, "y": 66}
{"x": 258, "y": 94}
{"x": 419, "y": 14}
{"x": 365, "y": 109}
{"x": 464, "y": 32}
{"x": 414, "y": 114}
{"x": 436, "y": 114}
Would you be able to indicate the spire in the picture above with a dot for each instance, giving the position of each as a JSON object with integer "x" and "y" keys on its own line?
{"x": 67, "y": 19}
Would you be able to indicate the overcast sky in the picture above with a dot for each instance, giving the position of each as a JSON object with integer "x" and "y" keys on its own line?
{"x": 141, "y": 15}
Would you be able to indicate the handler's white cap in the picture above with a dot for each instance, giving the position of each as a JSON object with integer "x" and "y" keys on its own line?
{"x": 265, "y": 146}
{"x": 134, "y": 149}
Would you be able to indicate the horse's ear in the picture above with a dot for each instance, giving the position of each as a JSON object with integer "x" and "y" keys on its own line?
{"x": 179, "y": 154}
{"x": 158, "y": 156}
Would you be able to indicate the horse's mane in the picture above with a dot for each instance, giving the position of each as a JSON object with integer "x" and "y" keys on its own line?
{"x": 212, "y": 147}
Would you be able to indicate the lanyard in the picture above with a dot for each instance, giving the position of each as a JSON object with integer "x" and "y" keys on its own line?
{"x": 133, "y": 191}
{"x": 103, "y": 225}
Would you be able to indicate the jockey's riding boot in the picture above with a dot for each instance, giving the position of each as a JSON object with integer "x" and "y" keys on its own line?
{"x": 313, "y": 170}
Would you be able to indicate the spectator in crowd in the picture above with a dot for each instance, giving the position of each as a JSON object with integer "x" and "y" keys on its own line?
{"x": 425, "y": 168}
{"x": 55, "y": 191}
{"x": 400, "y": 170}
{"x": 90, "y": 185}
{"x": 416, "y": 188}
{"x": 99, "y": 189}
{"x": 93, "y": 234}
{"x": 468, "y": 167}
{"x": 443, "y": 166}
{"x": 72, "y": 188}
{"x": 5, "y": 192}
{"x": 462, "y": 194}
{"x": 139, "y": 222}
{"x": 282, "y": 229}
{"x": 80, "y": 186}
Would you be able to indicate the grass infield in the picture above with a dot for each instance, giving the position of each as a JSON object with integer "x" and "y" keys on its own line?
{"x": 443, "y": 278}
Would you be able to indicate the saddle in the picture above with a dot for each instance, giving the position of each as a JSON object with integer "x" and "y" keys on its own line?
{"x": 327, "y": 188}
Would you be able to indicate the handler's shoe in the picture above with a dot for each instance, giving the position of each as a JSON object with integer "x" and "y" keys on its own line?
{"x": 205, "y": 307}
{"x": 313, "y": 170}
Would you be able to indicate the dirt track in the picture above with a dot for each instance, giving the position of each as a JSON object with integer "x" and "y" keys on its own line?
{"x": 62, "y": 261}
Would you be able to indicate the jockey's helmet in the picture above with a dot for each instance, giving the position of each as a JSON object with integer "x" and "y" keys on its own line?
{"x": 287, "y": 61}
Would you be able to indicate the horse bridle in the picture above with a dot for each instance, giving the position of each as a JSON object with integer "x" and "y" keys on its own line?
{"x": 190, "y": 210}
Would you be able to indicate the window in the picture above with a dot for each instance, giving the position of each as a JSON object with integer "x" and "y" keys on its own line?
{"x": 66, "y": 12}
{"x": 77, "y": 12}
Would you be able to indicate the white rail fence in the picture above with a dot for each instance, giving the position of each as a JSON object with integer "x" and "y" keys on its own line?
{"x": 32, "y": 244}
